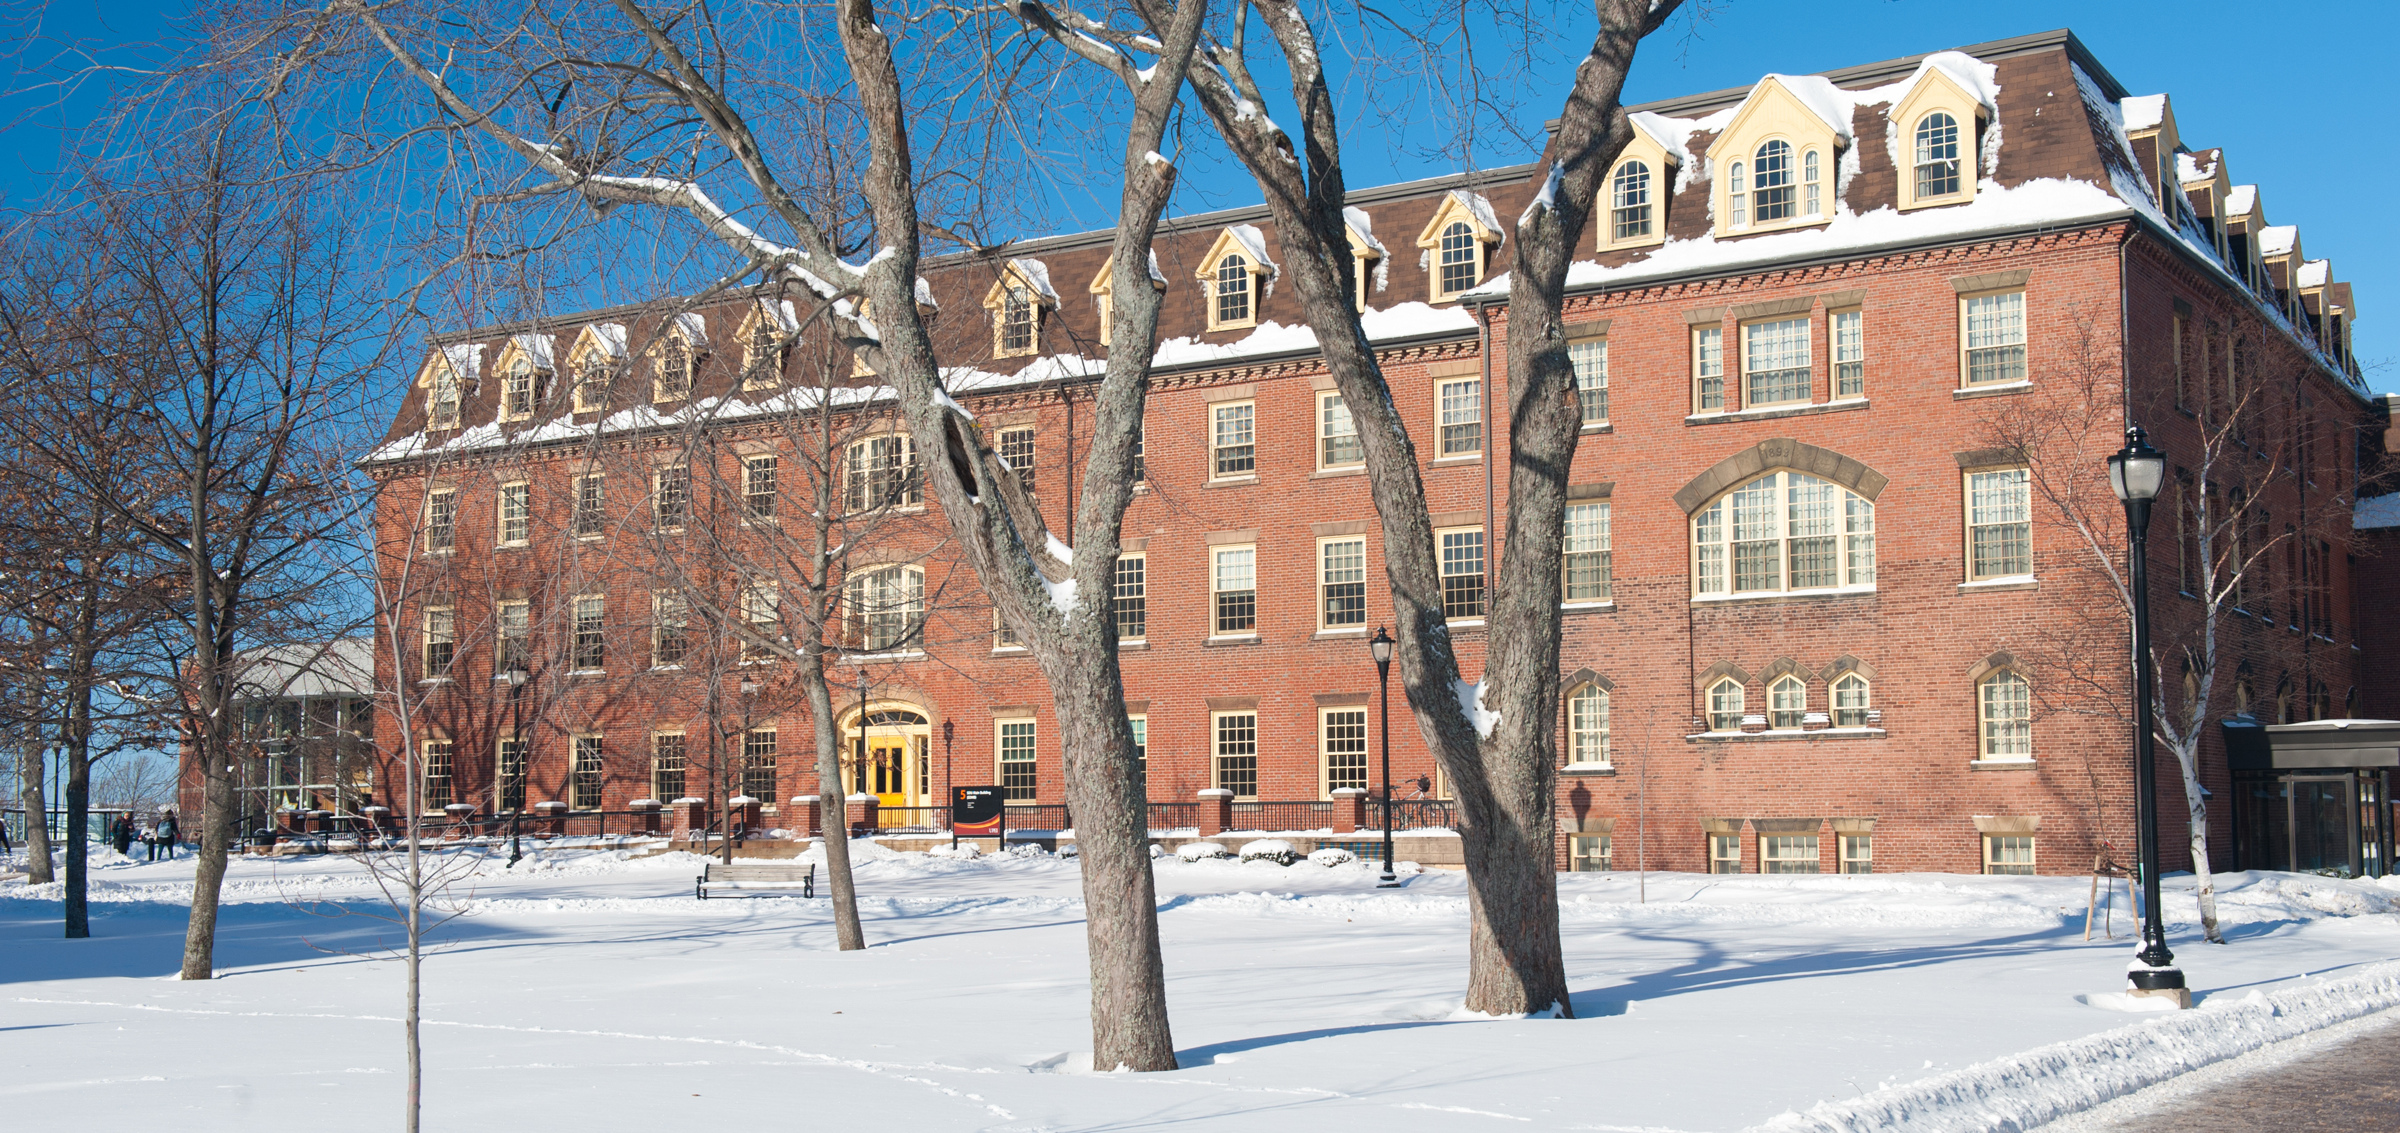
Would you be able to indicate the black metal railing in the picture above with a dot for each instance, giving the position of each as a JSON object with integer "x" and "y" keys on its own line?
{"x": 1174, "y": 816}
{"x": 1263, "y": 815}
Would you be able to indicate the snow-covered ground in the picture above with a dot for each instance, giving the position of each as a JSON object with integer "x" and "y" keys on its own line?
{"x": 583, "y": 990}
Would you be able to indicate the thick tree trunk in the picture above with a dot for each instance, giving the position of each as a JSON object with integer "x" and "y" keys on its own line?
{"x": 208, "y": 872}
{"x": 848, "y": 934}
{"x": 82, "y": 648}
{"x": 79, "y": 816}
{"x": 34, "y": 792}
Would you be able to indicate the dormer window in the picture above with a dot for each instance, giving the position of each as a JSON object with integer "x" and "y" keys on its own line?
{"x": 1457, "y": 243}
{"x": 1019, "y": 327}
{"x": 672, "y": 377}
{"x": 518, "y": 391}
{"x": 1461, "y": 266}
{"x": 1016, "y": 301}
{"x": 594, "y": 362}
{"x": 761, "y": 357}
{"x": 441, "y": 410}
{"x": 591, "y": 383}
{"x": 1233, "y": 271}
{"x": 1937, "y": 156}
{"x": 1629, "y": 202}
{"x": 1771, "y": 182}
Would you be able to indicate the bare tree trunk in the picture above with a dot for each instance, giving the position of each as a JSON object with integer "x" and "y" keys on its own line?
{"x": 2202, "y": 871}
{"x": 33, "y": 791}
{"x": 848, "y": 934}
{"x": 82, "y": 656}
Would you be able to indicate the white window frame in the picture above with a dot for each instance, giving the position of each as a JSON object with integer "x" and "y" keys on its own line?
{"x": 671, "y": 497}
{"x": 1708, "y": 370}
{"x": 1445, "y": 539}
{"x": 1715, "y": 530}
{"x": 593, "y": 775}
{"x": 1458, "y": 407}
{"x": 1588, "y": 726}
{"x": 758, "y": 740}
{"x": 1117, "y": 597}
{"x": 443, "y": 401}
{"x": 513, "y": 633}
{"x": 1787, "y": 703}
{"x": 511, "y": 761}
{"x": 1223, "y": 745}
{"x": 1005, "y": 734}
{"x": 1997, "y": 848}
{"x": 2004, "y": 329}
{"x": 763, "y": 341}
{"x": 1613, "y": 223}
{"x": 1233, "y": 438}
{"x": 441, "y": 631}
{"x": 1961, "y": 169}
{"x": 1994, "y": 740}
{"x": 761, "y": 481}
{"x": 1789, "y": 853}
{"x": 1027, "y": 440}
{"x": 1327, "y": 744}
{"x": 591, "y": 378}
{"x": 437, "y": 762}
{"x": 1857, "y": 852}
{"x": 1331, "y": 408}
{"x": 1591, "y": 542}
{"x": 1800, "y": 329}
{"x": 1327, "y": 570}
{"x": 671, "y": 346}
{"x": 1218, "y": 562}
{"x": 591, "y": 608}
{"x": 658, "y": 767}
{"x": 1727, "y": 703}
{"x": 587, "y": 511}
{"x": 441, "y": 520}
{"x": 1589, "y": 359}
{"x": 1590, "y": 853}
{"x": 1846, "y": 332}
{"x": 520, "y": 380}
{"x": 1018, "y": 315}
{"x": 514, "y": 509}
{"x": 1442, "y": 261}
{"x": 871, "y": 604}
{"x": 1851, "y": 711}
{"x": 1222, "y": 287}
{"x": 1140, "y": 723}
{"x": 1725, "y": 853}
{"x": 670, "y": 624}
{"x": 881, "y": 471}
{"x": 1993, "y": 504}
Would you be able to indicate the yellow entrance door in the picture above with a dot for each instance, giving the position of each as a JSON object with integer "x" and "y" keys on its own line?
{"x": 887, "y": 776}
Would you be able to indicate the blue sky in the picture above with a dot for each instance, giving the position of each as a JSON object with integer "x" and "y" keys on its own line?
{"x": 2280, "y": 94}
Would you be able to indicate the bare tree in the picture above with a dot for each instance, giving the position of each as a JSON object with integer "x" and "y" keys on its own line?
{"x": 1492, "y": 738}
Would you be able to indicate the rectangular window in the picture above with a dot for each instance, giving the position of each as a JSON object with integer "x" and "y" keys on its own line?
{"x": 760, "y": 607}
{"x": 1233, "y": 440}
{"x": 2008, "y": 854}
{"x": 516, "y": 635}
{"x": 1787, "y": 853}
{"x": 436, "y": 770}
{"x": 441, "y": 640}
{"x": 1775, "y": 363}
{"x": 1999, "y": 524}
{"x": 1004, "y": 637}
{"x": 1992, "y": 338}
{"x": 2175, "y": 353}
{"x": 441, "y": 519}
{"x": 671, "y": 496}
{"x": 1237, "y": 753}
{"x": 1141, "y": 462}
{"x": 441, "y": 408}
{"x": 1337, "y": 434}
{"x": 591, "y": 385}
{"x": 672, "y": 379}
{"x": 1461, "y": 404}
{"x": 1588, "y": 572}
{"x": 1589, "y": 853}
{"x": 883, "y": 472}
{"x": 590, "y": 506}
{"x": 591, "y": 635}
{"x": 510, "y": 775}
{"x": 1016, "y": 760}
{"x": 1858, "y": 853}
{"x": 758, "y": 764}
{"x": 1849, "y": 354}
{"x": 516, "y": 393}
{"x": 516, "y": 514}
{"x": 1462, "y": 572}
{"x": 1016, "y": 451}
{"x": 1590, "y": 360}
{"x": 666, "y": 766}
{"x": 1233, "y": 582}
{"x": 670, "y": 622}
{"x": 1344, "y": 736}
{"x": 1724, "y": 853}
{"x": 586, "y": 785}
{"x": 1708, "y": 370}
{"x": 1131, "y": 597}
{"x": 758, "y": 487}
{"x": 1141, "y": 747}
{"x": 1342, "y": 582}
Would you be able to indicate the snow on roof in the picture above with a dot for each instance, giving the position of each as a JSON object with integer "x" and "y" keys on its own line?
{"x": 465, "y": 359}
{"x": 2144, "y": 111}
{"x": 1481, "y": 206}
{"x": 2241, "y": 200}
{"x": 1254, "y": 244}
{"x": 787, "y": 316}
{"x": 2376, "y": 513}
{"x": 1819, "y": 95}
{"x": 1037, "y": 273}
{"x": 2278, "y": 239}
{"x": 537, "y": 348}
{"x": 2194, "y": 167}
{"x": 1667, "y": 132}
{"x": 2316, "y": 273}
{"x": 693, "y": 327}
{"x": 1362, "y": 229}
{"x": 612, "y": 338}
{"x": 925, "y": 297}
{"x": 341, "y": 667}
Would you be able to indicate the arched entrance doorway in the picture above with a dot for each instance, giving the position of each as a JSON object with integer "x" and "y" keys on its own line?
{"x": 889, "y": 761}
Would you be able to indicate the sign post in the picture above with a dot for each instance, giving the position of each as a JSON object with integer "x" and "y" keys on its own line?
{"x": 978, "y": 812}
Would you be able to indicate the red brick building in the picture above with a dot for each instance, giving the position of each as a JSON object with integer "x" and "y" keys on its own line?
{"x": 1821, "y": 614}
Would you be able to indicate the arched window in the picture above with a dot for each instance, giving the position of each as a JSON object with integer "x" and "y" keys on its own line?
{"x": 673, "y": 380}
{"x": 1725, "y": 705}
{"x": 1459, "y": 253}
{"x": 1771, "y": 182}
{"x": 2006, "y": 702}
{"x": 441, "y": 406}
{"x": 1737, "y": 193}
{"x": 591, "y": 382}
{"x": 882, "y": 472}
{"x": 1233, "y": 289}
{"x": 1587, "y": 726}
{"x": 1937, "y": 155}
{"x": 762, "y": 355}
{"x": 887, "y": 607}
{"x": 1629, "y": 201}
{"x": 1810, "y": 181}
{"x": 1784, "y": 531}
{"x": 1787, "y": 702}
{"x": 1850, "y": 701}
{"x": 1017, "y": 322}
{"x": 2241, "y": 696}
{"x": 517, "y": 390}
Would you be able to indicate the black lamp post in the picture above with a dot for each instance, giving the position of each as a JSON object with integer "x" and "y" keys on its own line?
{"x": 949, "y": 732}
{"x": 2136, "y": 473}
{"x": 1380, "y": 646}
{"x": 516, "y": 737}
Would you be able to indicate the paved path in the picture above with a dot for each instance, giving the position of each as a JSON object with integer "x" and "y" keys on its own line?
{"x": 2354, "y": 1086}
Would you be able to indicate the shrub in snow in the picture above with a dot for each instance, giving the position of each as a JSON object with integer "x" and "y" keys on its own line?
{"x": 1332, "y": 856}
{"x": 1270, "y": 850}
{"x": 1068, "y": 850}
{"x": 1195, "y": 851}
{"x": 962, "y": 850}
{"x": 1157, "y": 851}
{"x": 1025, "y": 850}
{"x": 1406, "y": 869}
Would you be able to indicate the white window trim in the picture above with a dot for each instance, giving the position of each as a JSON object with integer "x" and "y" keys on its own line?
{"x": 1323, "y": 398}
{"x": 1441, "y": 443}
{"x": 1214, "y": 553}
{"x": 1808, "y": 344}
{"x": 1215, "y": 408}
{"x": 1216, "y": 750}
{"x": 1144, "y": 558}
{"x": 500, "y": 514}
{"x": 1325, "y": 715}
{"x": 1585, "y": 340}
{"x": 1967, "y": 525}
{"x": 2025, "y": 343}
{"x": 1841, "y": 538}
{"x": 1323, "y": 542}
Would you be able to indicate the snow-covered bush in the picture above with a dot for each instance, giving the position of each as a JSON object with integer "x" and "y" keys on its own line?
{"x": 1069, "y": 851}
{"x": 1332, "y": 856}
{"x": 1406, "y": 869}
{"x": 1196, "y": 851}
{"x": 1270, "y": 850}
{"x": 1157, "y": 851}
{"x": 1026, "y": 850}
{"x": 962, "y": 851}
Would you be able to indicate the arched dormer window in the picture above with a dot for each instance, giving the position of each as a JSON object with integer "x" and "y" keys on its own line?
{"x": 1102, "y": 289}
{"x": 1233, "y": 292}
{"x": 442, "y": 402}
{"x": 1587, "y": 725}
{"x": 1233, "y": 273}
{"x": 1774, "y": 157}
{"x": 675, "y": 355}
{"x": 1637, "y": 193}
{"x": 1771, "y": 191}
{"x": 1457, "y": 243}
{"x": 1936, "y": 123}
{"x": 593, "y": 362}
{"x": 765, "y": 334}
{"x": 523, "y": 367}
{"x": 1936, "y": 161}
{"x": 1016, "y": 302}
{"x": 1784, "y": 531}
{"x": 1629, "y": 212}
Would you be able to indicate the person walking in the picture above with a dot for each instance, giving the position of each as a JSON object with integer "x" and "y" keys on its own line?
{"x": 122, "y": 836}
{"x": 168, "y": 834}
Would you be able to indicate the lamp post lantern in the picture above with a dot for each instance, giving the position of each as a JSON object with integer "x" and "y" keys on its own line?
{"x": 2136, "y": 473}
{"x": 1380, "y": 646}
{"x": 516, "y": 675}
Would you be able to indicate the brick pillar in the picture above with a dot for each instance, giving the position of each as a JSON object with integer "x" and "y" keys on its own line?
{"x": 287, "y": 823}
{"x": 1749, "y": 847}
{"x": 551, "y": 818}
{"x": 645, "y": 815}
{"x": 860, "y": 813}
{"x": 811, "y": 815}
{"x": 1216, "y": 811}
{"x": 691, "y": 818}
{"x": 742, "y": 811}
{"x": 1349, "y": 809}
{"x": 1829, "y": 852}
{"x": 379, "y": 818}
{"x": 458, "y": 812}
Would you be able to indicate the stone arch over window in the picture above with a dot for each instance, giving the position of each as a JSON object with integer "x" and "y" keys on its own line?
{"x": 1779, "y": 453}
{"x": 1783, "y": 531}
{"x": 1845, "y": 664}
{"x": 1992, "y": 664}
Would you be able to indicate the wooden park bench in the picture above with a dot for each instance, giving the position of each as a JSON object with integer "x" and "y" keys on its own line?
{"x": 764, "y": 880}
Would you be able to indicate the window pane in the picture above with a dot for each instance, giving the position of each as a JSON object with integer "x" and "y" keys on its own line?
{"x": 1858, "y": 853}
{"x": 1587, "y": 571}
{"x": 1337, "y": 434}
{"x": 1346, "y": 749}
{"x": 1787, "y": 853}
{"x": 1235, "y": 440}
{"x": 1708, "y": 538}
{"x": 1236, "y": 585}
{"x": 1591, "y": 853}
{"x": 1462, "y": 417}
{"x": 1724, "y": 853}
{"x": 1999, "y": 523}
{"x": 1996, "y": 338}
{"x": 1237, "y": 755}
{"x": 1849, "y": 354}
{"x": 1708, "y": 366}
{"x": 758, "y": 764}
{"x": 516, "y": 513}
{"x": 1757, "y": 552}
{"x": 1775, "y": 361}
{"x": 1016, "y": 450}
{"x": 1590, "y": 360}
{"x": 1771, "y": 182}
{"x": 1233, "y": 289}
{"x": 1787, "y": 702}
{"x": 1587, "y": 725}
{"x": 1132, "y": 597}
{"x": 1344, "y": 573}
{"x": 1725, "y": 706}
{"x": 1937, "y": 155}
{"x": 1458, "y": 258}
{"x": 666, "y": 767}
{"x": 1016, "y": 760}
{"x": 1814, "y": 546}
{"x": 2008, "y": 854}
{"x": 590, "y": 633}
{"x": 1850, "y": 702}
{"x": 1462, "y": 574}
{"x": 2007, "y": 717}
{"x": 587, "y": 772}
{"x": 1629, "y": 194}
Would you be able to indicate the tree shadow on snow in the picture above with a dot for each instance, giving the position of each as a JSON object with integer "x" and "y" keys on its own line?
{"x": 1713, "y": 966}
{"x": 144, "y": 939}
{"x": 1208, "y": 1055}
